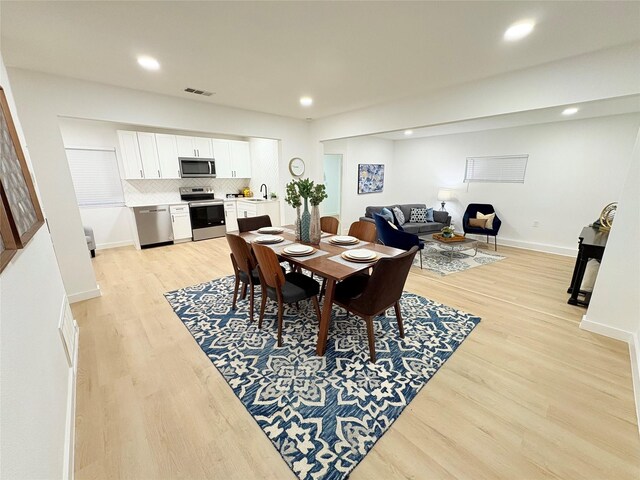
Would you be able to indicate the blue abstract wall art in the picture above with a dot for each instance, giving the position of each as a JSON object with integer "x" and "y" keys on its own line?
{"x": 370, "y": 178}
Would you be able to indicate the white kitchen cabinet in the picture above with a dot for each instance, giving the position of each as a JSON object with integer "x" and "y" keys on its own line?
{"x": 130, "y": 153}
{"x": 249, "y": 208}
{"x": 167, "y": 147}
{"x": 223, "y": 158}
{"x": 180, "y": 223}
{"x": 233, "y": 158}
{"x": 230, "y": 214}
{"x": 240, "y": 159}
{"x": 149, "y": 155}
{"x": 194, "y": 147}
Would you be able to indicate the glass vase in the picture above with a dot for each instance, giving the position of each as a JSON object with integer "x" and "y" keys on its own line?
{"x": 305, "y": 223}
{"x": 315, "y": 232}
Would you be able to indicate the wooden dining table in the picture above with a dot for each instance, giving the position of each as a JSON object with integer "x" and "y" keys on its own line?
{"x": 323, "y": 266}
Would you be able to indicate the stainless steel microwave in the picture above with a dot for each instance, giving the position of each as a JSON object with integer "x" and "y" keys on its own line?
{"x": 197, "y": 167}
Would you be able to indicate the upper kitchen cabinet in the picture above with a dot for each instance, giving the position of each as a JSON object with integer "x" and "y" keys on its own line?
{"x": 167, "y": 146}
{"x": 149, "y": 155}
{"x": 130, "y": 152}
{"x": 240, "y": 159}
{"x": 194, "y": 147}
{"x": 222, "y": 155}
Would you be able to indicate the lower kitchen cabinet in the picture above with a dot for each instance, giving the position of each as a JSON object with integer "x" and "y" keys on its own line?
{"x": 230, "y": 215}
{"x": 249, "y": 208}
{"x": 181, "y": 223}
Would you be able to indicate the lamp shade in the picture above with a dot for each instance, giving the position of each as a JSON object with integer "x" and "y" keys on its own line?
{"x": 444, "y": 195}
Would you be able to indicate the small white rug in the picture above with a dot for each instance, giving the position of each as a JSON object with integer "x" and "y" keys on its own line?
{"x": 437, "y": 259}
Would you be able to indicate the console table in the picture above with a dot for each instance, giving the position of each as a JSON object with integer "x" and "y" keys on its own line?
{"x": 590, "y": 245}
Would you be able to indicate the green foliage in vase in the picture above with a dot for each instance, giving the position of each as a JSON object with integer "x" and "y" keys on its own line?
{"x": 305, "y": 187}
{"x": 318, "y": 194}
{"x": 292, "y": 196}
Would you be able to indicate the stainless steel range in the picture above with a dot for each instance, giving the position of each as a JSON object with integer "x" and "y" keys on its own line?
{"x": 206, "y": 212}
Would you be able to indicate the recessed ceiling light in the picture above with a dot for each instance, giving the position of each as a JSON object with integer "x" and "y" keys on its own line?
{"x": 519, "y": 30}
{"x": 408, "y": 132}
{"x": 148, "y": 63}
{"x": 306, "y": 101}
{"x": 570, "y": 111}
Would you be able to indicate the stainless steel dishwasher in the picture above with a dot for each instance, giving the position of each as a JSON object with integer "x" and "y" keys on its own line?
{"x": 154, "y": 225}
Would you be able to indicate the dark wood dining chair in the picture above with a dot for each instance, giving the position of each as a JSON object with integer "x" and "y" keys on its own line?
{"x": 250, "y": 224}
{"x": 365, "y": 231}
{"x": 329, "y": 224}
{"x": 244, "y": 268}
{"x": 369, "y": 295}
{"x": 280, "y": 287}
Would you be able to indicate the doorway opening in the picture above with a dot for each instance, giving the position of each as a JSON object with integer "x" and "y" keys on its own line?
{"x": 333, "y": 183}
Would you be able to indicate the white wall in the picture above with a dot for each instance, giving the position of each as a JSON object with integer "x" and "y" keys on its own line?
{"x": 614, "y": 309}
{"x": 574, "y": 169}
{"x": 362, "y": 150}
{"x": 43, "y": 98}
{"x": 264, "y": 166}
{"x": 34, "y": 392}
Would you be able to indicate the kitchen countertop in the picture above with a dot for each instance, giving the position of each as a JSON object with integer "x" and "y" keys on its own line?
{"x": 184, "y": 202}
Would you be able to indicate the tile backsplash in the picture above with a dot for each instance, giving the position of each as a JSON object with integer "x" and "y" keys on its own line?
{"x": 148, "y": 192}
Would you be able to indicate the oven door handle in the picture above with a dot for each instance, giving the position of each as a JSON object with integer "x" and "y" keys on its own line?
{"x": 206, "y": 204}
{"x": 209, "y": 163}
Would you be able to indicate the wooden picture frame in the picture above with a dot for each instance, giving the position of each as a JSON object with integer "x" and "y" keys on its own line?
{"x": 8, "y": 245}
{"x": 19, "y": 200}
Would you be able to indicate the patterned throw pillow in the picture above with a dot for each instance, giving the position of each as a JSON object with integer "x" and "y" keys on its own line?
{"x": 418, "y": 215}
{"x": 399, "y": 215}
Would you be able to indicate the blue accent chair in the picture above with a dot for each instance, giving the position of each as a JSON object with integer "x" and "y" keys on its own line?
{"x": 389, "y": 236}
{"x": 472, "y": 212}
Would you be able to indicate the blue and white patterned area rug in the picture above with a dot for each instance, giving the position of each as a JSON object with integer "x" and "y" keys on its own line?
{"x": 323, "y": 414}
{"x": 444, "y": 262}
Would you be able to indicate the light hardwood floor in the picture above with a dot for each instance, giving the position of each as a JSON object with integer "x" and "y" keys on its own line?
{"x": 527, "y": 396}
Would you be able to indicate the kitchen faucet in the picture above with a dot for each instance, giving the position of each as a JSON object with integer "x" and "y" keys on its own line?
{"x": 265, "y": 190}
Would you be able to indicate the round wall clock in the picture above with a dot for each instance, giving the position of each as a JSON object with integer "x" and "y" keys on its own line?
{"x": 296, "y": 167}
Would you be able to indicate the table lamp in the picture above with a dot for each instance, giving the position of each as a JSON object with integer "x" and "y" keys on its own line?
{"x": 443, "y": 196}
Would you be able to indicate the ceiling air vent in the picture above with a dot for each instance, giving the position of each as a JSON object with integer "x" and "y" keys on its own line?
{"x": 195, "y": 91}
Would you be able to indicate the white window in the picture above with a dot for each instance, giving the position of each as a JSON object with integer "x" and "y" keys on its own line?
{"x": 503, "y": 169}
{"x": 96, "y": 178}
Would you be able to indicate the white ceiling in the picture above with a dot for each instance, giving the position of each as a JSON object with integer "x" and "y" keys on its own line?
{"x": 599, "y": 108}
{"x": 264, "y": 55}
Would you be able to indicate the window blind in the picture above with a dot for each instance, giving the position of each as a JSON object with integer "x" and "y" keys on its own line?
{"x": 95, "y": 176}
{"x": 502, "y": 169}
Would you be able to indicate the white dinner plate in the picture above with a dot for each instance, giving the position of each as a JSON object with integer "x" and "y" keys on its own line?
{"x": 268, "y": 239}
{"x": 360, "y": 254}
{"x": 343, "y": 239}
{"x": 298, "y": 249}
{"x": 270, "y": 230}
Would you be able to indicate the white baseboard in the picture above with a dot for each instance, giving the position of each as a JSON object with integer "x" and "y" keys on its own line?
{"x": 634, "y": 355}
{"x": 105, "y": 246}
{"x": 606, "y": 330}
{"x": 78, "y": 297}
{"x": 538, "y": 247}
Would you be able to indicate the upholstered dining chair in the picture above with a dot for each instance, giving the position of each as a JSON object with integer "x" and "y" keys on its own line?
{"x": 365, "y": 231}
{"x": 389, "y": 236}
{"x": 472, "y": 212}
{"x": 329, "y": 224}
{"x": 282, "y": 288}
{"x": 244, "y": 268}
{"x": 369, "y": 295}
{"x": 253, "y": 223}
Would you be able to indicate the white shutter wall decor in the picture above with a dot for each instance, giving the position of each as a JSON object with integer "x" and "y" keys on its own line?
{"x": 95, "y": 176}
{"x": 501, "y": 169}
